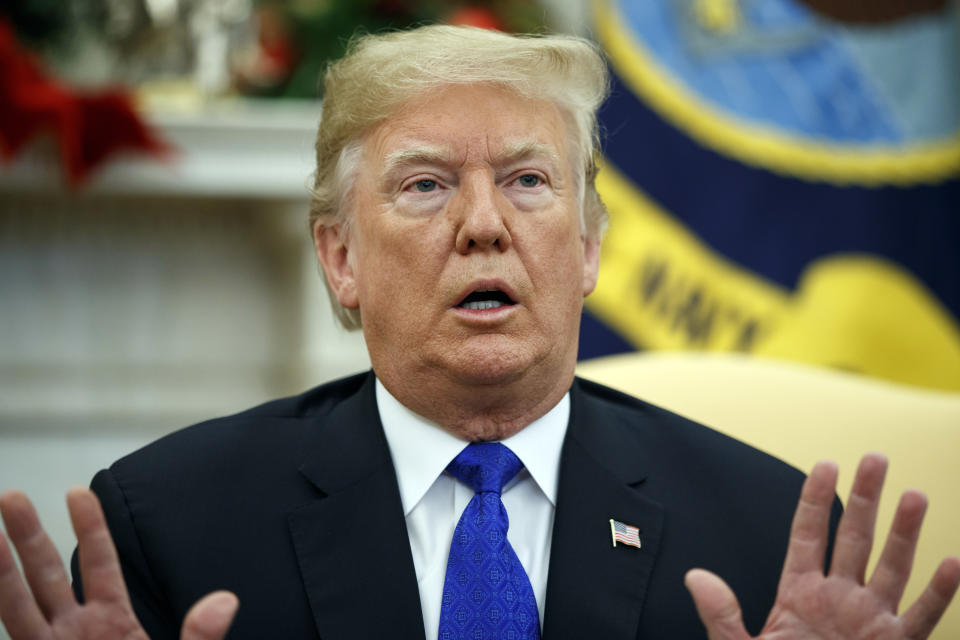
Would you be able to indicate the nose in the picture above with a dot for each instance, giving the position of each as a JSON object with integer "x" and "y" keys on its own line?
{"x": 481, "y": 211}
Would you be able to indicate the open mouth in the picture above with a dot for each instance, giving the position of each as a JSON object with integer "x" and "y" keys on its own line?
{"x": 486, "y": 299}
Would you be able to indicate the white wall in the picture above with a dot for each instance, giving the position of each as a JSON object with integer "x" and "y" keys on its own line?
{"x": 159, "y": 296}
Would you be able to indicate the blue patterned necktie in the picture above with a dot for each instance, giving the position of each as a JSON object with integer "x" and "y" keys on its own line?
{"x": 486, "y": 592}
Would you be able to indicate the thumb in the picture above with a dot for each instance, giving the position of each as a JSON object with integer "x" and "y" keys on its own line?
{"x": 210, "y": 617}
{"x": 717, "y": 606}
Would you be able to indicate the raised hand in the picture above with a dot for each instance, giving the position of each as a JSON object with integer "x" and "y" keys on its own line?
{"x": 47, "y": 609}
{"x": 841, "y": 604}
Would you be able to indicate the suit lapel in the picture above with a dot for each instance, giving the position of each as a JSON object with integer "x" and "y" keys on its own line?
{"x": 594, "y": 589}
{"x": 352, "y": 543}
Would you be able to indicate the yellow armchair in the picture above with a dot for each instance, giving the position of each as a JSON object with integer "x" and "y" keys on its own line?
{"x": 802, "y": 414}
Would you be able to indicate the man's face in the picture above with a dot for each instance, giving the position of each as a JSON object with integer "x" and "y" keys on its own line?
{"x": 465, "y": 256}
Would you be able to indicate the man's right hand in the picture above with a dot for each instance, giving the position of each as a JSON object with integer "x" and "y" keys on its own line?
{"x": 48, "y": 610}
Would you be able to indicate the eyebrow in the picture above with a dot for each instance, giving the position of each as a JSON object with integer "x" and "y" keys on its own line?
{"x": 524, "y": 150}
{"x": 513, "y": 152}
{"x": 416, "y": 155}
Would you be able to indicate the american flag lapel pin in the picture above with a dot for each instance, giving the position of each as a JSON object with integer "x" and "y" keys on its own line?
{"x": 620, "y": 532}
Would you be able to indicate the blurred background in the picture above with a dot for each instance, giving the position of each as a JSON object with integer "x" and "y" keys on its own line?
{"x": 783, "y": 178}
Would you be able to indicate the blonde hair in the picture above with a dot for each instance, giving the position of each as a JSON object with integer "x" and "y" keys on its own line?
{"x": 380, "y": 72}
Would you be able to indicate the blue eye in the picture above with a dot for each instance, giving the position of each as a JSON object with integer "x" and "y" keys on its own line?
{"x": 425, "y": 186}
{"x": 529, "y": 180}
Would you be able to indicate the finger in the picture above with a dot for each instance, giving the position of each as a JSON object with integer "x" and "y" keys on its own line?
{"x": 99, "y": 566}
{"x": 922, "y": 617}
{"x": 807, "y": 548}
{"x": 717, "y": 606}
{"x": 41, "y": 562}
{"x": 893, "y": 569}
{"x": 210, "y": 617}
{"x": 18, "y": 610}
{"x": 854, "y": 541}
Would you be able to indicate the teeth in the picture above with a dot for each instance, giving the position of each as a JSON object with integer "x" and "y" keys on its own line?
{"x": 480, "y": 305}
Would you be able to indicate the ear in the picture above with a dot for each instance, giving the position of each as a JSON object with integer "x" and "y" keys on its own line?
{"x": 333, "y": 252}
{"x": 591, "y": 265}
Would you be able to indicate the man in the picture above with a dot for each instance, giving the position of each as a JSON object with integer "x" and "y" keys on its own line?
{"x": 456, "y": 221}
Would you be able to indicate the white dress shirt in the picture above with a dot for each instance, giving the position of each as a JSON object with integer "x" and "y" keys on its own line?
{"x": 433, "y": 500}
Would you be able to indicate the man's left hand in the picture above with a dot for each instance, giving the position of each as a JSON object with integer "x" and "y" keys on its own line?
{"x": 842, "y": 603}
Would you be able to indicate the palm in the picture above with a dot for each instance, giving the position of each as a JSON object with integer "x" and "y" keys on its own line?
{"x": 48, "y": 610}
{"x": 830, "y": 608}
{"x": 97, "y": 620}
{"x": 841, "y": 604}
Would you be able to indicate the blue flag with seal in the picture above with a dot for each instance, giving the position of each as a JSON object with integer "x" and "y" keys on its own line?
{"x": 782, "y": 185}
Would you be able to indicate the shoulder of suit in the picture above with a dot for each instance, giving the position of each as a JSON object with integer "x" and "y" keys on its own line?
{"x": 314, "y": 402}
{"x": 672, "y": 435}
{"x": 275, "y": 427}
{"x": 595, "y": 397}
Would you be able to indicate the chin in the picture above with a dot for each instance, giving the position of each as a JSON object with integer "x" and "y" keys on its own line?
{"x": 489, "y": 371}
{"x": 489, "y": 366}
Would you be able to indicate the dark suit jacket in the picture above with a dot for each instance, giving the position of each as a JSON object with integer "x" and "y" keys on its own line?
{"x": 294, "y": 506}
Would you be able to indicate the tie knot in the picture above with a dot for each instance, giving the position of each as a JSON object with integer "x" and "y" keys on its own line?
{"x": 485, "y": 466}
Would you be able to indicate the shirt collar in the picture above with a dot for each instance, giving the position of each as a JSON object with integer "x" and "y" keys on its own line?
{"x": 421, "y": 449}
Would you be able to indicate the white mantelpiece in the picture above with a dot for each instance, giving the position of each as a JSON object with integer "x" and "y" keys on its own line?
{"x": 237, "y": 148}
